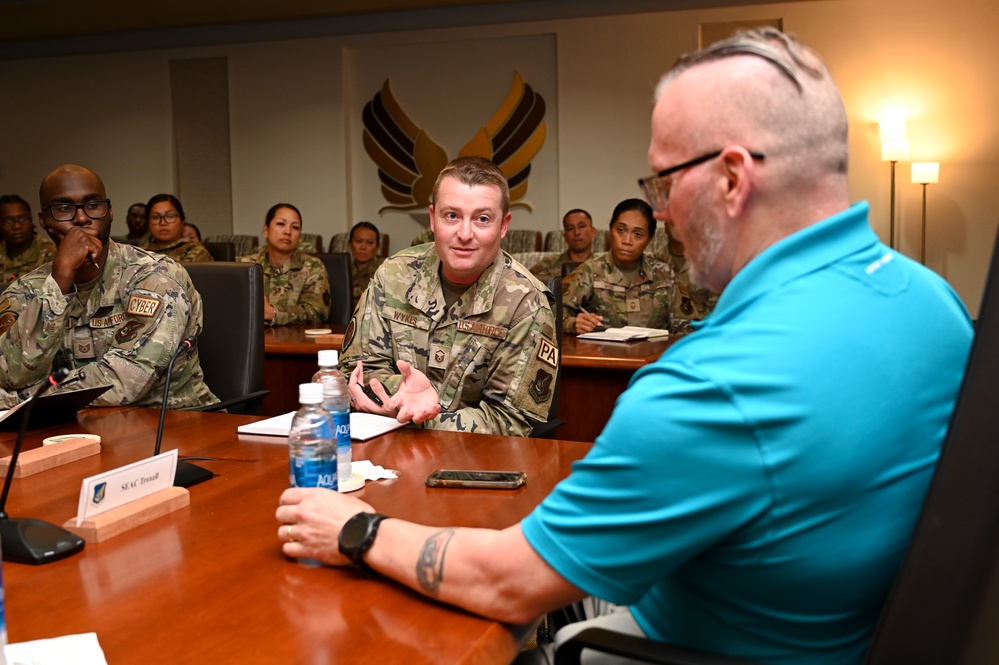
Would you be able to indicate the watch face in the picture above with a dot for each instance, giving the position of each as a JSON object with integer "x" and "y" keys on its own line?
{"x": 355, "y": 530}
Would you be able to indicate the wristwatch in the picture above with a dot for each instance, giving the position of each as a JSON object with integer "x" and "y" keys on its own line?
{"x": 358, "y": 535}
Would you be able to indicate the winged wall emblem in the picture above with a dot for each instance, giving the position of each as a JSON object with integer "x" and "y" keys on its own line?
{"x": 409, "y": 160}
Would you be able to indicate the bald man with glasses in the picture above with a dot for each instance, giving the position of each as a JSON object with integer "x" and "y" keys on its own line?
{"x": 116, "y": 313}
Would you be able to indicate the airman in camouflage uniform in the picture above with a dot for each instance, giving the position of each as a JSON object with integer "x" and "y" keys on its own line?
{"x": 360, "y": 277}
{"x": 41, "y": 250}
{"x": 299, "y": 291}
{"x": 115, "y": 313}
{"x": 545, "y": 269}
{"x": 182, "y": 251}
{"x": 491, "y": 356}
{"x": 599, "y": 287}
{"x": 692, "y": 302}
{"x": 124, "y": 333}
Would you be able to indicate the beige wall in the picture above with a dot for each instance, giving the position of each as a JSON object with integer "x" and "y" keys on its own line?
{"x": 937, "y": 61}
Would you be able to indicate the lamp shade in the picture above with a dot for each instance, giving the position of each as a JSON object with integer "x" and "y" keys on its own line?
{"x": 894, "y": 151}
{"x": 925, "y": 173}
{"x": 892, "y": 128}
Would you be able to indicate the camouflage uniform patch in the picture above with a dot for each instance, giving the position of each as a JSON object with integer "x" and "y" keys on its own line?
{"x": 132, "y": 356}
{"x": 299, "y": 291}
{"x": 551, "y": 267}
{"x": 486, "y": 344}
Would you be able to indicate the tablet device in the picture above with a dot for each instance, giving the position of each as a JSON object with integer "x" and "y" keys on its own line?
{"x": 53, "y": 409}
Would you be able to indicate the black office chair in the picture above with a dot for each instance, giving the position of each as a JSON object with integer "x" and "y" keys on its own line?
{"x": 341, "y": 286}
{"x": 568, "y": 267}
{"x": 231, "y": 345}
{"x": 221, "y": 251}
{"x": 944, "y": 604}
{"x": 546, "y": 430}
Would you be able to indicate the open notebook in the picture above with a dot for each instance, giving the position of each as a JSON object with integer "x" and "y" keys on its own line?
{"x": 363, "y": 426}
{"x": 625, "y": 334}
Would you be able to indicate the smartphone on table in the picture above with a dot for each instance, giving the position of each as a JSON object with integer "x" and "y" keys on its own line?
{"x": 470, "y": 478}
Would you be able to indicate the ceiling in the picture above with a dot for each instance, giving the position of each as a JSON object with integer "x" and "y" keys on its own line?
{"x": 36, "y": 28}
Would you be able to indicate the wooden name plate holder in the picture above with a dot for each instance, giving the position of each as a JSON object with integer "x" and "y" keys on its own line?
{"x": 30, "y": 462}
{"x": 130, "y": 515}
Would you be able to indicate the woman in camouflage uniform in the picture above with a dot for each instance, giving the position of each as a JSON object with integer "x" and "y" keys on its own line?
{"x": 296, "y": 287}
{"x": 166, "y": 231}
{"x": 364, "y": 243}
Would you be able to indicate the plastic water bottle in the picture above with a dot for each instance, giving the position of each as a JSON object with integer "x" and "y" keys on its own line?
{"x": 311, "y": 451}
{"x": 336, "y": 399}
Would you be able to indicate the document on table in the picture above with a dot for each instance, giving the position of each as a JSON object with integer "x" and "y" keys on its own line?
{"x": 625, "y": 334}
{"x": 363, "y": 426}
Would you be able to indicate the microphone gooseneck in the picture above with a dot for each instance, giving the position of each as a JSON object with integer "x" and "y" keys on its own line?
{"x": 188, "y": 343}
{"x": 24, "y": 539}
{"x": 187, "y": 474}
{"x": 57, "y": 376}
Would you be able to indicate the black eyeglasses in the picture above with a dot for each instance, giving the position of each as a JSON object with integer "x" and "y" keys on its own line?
{"x": 168, "y": 218}
{"x": 657, "y": 192}
{"x": 65, "y": 212}
{"x": 11, "y": 222}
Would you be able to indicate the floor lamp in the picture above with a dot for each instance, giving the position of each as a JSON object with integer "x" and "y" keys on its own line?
{"x": 925, "y": 173}
{"x": 894, "y": 148}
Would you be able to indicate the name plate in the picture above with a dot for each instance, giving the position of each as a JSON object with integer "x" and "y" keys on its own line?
{"x": 119, "y": 486}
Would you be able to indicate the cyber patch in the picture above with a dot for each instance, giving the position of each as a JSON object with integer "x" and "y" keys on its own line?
{"x": 142, "y": 306}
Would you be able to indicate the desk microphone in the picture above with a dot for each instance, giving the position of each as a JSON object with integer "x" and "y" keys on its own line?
{"x": 187, "y": 474}
{"x": 24, "y": 539}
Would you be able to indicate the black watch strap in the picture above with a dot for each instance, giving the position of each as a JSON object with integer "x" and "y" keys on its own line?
{"x": 358, "y": 535}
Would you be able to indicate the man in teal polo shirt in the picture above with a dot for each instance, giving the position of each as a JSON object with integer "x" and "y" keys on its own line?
{"x": 756, "y": 487}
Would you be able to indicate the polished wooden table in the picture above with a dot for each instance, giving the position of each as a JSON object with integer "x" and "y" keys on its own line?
{"x": 290, "y": 359}
{"x": 594, "y": 374}
{"x": 208, "y": 583}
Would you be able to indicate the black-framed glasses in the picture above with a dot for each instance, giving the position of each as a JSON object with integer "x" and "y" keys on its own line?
{"x": 11, "y": 222}
{"x": 656, "y": 191}
{"x": 168, "y": 218}
{"x": 66, "y": 212}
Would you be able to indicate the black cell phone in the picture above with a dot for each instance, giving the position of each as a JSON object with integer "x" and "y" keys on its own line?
{"x": 366, "y": 389}
{"x": 468, "y": 478}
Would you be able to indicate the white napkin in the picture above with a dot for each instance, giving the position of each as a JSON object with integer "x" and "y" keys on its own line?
{"x": 369, "y": 471}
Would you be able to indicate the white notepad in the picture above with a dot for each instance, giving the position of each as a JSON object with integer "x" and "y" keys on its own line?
{"x": 625, "y": 334}
{"x": 363, "y": 426}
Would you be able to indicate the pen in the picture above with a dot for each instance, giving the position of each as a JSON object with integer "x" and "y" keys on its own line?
{"x": 93, "y": 262}
{"x": 371, "y": 395}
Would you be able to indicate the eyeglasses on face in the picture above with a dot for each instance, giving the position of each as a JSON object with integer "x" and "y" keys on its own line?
{"x": 65, "y": 212}
{"x": 656, "y": 189}
{"x": 168, "y": 218}
{"x": 11, "y": 222}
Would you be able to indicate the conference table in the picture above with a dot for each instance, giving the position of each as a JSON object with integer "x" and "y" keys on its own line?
{"x": 291, "y": 358}
{"x": 594, "y": 374}
{"x": 208, "y": 583}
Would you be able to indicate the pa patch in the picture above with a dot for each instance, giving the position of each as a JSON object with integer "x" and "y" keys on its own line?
{"x": 540, "y": 389}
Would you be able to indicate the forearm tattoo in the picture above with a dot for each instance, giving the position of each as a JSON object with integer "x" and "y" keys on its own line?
{"x": 430, "y": 566}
